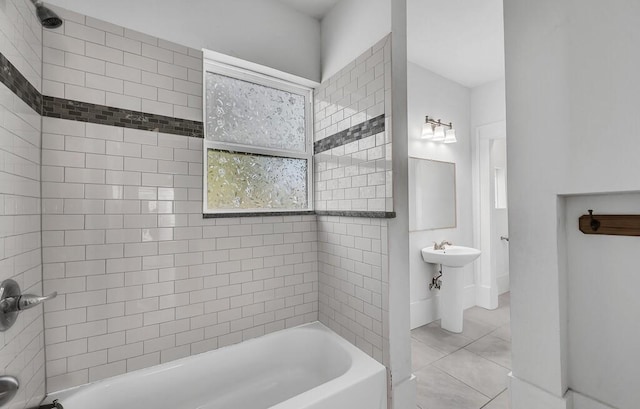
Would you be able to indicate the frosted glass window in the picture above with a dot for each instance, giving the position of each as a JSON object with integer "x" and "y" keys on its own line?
{"x": 243, "y": 112}
{"x": 258, "y": 147}
{"x": 247, "y": 181}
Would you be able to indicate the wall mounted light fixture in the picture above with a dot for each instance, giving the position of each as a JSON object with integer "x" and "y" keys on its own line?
{"x": 435, "y": 131}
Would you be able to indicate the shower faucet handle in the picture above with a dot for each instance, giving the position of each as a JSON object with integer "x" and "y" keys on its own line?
{"x": 27, "y": 301}
{"x": 12, "y": 302}
{"x": 23, "y": 302}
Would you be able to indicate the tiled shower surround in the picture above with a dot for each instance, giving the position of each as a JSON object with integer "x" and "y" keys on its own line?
{"x": 142, "y": 277}
{"x": 354, "y": 175}
{"x": 22, "y": 346}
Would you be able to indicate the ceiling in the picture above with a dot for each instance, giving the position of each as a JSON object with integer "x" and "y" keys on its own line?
{"x": 314, "y": 8}
{"x": 462, "y": 40}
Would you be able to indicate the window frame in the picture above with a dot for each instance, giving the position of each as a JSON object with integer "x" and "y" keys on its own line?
{"x": 275, "y": 79}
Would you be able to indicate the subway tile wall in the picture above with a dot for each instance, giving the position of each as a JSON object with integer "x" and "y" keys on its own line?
{"x": 22, "y": 346}
{"x": 21, "y": 39}
{"x": 354, "y": 281}
{"x": 93, "y": 61}
{"x": 142, "y": 277}
{"x": 355, "y": 176}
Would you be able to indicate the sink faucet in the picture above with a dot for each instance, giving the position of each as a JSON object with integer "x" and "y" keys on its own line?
{"x": 440, "y": 246}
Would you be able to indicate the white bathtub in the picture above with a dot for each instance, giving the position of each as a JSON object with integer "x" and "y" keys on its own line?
{"x": 306, "y": 367}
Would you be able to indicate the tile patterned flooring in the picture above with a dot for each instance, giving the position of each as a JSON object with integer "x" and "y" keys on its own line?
{"x": 467, "y": 370}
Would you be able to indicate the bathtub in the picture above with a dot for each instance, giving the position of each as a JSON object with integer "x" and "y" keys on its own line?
{"x": 306, "y": 367}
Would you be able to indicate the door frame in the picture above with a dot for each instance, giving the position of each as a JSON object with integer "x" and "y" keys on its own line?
{"x": 487, "y": 290}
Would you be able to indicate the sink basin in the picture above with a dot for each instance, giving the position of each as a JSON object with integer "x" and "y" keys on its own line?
{"x": 451, "y": 256}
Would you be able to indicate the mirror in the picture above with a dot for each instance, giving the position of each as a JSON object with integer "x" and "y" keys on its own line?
{"x": 432, "y": 194}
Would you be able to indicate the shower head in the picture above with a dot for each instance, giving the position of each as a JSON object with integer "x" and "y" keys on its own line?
{"x": 48, "y": 18}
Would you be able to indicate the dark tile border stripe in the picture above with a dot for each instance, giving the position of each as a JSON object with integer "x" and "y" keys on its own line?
{"x": 257, "y": 214}
{"x": 54, "y": 107}
{"x": 19, "y": 85}
{"x": 367, "y": 128}
{"x": 370, "y": 215}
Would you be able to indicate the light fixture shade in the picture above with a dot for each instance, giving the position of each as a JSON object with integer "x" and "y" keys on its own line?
{"x": 427, "y": 131}
{"x": 438, "y": 134}
{"x": 450, "y": 136}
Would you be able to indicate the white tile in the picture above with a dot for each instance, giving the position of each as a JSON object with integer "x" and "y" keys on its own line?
{"x": 158, "y": 108}
{"x": 110, "y": 55}
{"x": 82, "y": 144}
{"x": 83, "y": 94}
{"x": 187, "y": 61}
{"x": 173, "y": 46}
{"x": 52, "y": 56}
{"x": 139, "y": 62}
{"x": 82, "y": 63}
{"x": 104, "y": 83}
{"x": 140, "y": 37}
{"x": 173, "y": 71}
{"x": 124, "y": 44}
{"x": 192, "y": 114}
{"x": 141, "y": 137}
{"x": 62, "y": 74}
{"x": 187, "y": 87}
{"x": 123, "y": 101}
{"x": 61, "y": 42}
{"x": 140, "y": 165}
{"x": 98, "y": 131}
{"x": 104, "y": 26}
{"x": 123, "y": 73}
{"x": 172, "y": 97}
{"x": 83, "y": 32}
{"x": 140, "y": 91}
{"x": 123, "y": 149}
{"x": 75, "y": 175}
{"x": 157, "y": 53}
{"x": 104, "y": 162}
{"x": 157, "y": 80}
{"x": 53, "y": 88}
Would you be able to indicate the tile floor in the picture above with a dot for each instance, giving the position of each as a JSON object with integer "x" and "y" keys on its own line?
{"x": 467, "y": 370}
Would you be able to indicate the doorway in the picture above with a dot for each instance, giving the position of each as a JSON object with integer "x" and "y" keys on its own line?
{"x": 491, "y": 232}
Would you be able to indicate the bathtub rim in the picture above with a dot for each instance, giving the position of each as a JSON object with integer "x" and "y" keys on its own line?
{"x": 363, "y": 367}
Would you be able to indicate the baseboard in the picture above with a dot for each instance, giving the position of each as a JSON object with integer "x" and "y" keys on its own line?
{"x": 404, "y": 394}
{"x": 527, "y": 396}
{"x": 426, "y": 311}
{"x": 483, "y": 297}
{"x": 503, "y": 284}
{"x": 581, "y": 401}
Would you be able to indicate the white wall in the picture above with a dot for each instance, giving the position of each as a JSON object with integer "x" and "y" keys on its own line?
{"x": 488, "y": 103}
{"x": 261, "y": 31}
{"x": 438, "y": 97}
{"x": 349, "y": 29}
{"x": 603, "y": 304}
{"x": 553, "y": 76}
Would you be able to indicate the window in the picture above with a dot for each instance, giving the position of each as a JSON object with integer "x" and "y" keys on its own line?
{"x": 258, "y": 143}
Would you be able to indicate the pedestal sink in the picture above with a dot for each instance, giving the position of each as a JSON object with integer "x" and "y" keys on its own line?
{"x": 451, "y": 294}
